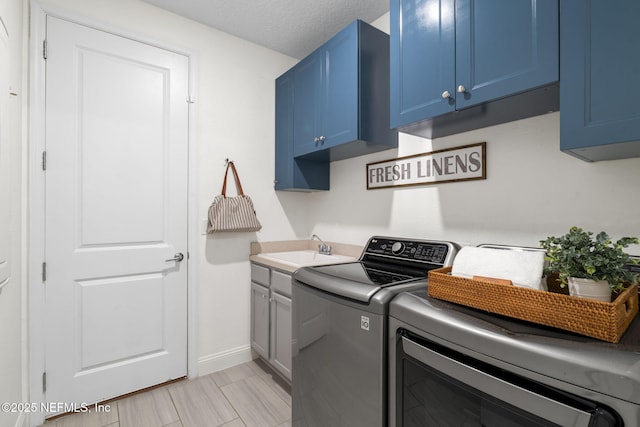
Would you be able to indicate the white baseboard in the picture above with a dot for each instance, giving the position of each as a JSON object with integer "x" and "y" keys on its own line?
{"x": 223, "y": 360}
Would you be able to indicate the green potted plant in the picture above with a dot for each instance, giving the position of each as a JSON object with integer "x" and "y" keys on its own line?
{"x": 592, "y": 267}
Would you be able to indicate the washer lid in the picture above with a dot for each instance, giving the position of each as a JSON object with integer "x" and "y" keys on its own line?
{"x": 354, "y": 280}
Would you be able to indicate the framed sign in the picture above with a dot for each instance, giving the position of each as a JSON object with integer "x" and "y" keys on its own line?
{"x": 456, "y": 164}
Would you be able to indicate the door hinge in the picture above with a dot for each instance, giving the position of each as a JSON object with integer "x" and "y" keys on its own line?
{"x": 44, "y": 382}
{"x": 44, "y": 271}
{"x": 44, "y": 160}
{"x": 44, "y": 49}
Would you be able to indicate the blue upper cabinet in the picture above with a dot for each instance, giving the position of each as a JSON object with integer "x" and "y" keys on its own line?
{"x": 326, "y": 112}
{"x": 292, "y": 174}
{"x": 600, "y": 65}
{"x": 341, "y": 96}
{"x": 455, "y": 55}
{"x": 332, "y": 105}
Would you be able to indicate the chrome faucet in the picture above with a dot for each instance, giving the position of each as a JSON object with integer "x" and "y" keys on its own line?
{"x": 323, "y": 248}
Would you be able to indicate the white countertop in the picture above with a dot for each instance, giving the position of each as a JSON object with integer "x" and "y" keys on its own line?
{"x": 293, "y": 254}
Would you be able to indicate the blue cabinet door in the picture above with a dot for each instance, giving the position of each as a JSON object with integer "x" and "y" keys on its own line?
{"x": 504, "y": 47}
{"x": 284, "y": 131}
{"x": 422, "y": 57}
{"x": 326, "y": 87}
{"x": 308, "y": 103}
{"x": 290, "y": 173}
{"x": 600, "y": 65}
{"x": 340, "y": 88}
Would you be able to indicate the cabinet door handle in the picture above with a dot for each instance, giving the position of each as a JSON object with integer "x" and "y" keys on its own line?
{"x": 462, "y": 89}
{"x": 446, "y": 94}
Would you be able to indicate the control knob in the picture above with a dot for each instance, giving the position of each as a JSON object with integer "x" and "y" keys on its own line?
{"x": 397, "y": 248}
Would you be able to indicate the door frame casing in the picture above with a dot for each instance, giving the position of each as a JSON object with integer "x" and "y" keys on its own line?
{"x": 36, "y": 195}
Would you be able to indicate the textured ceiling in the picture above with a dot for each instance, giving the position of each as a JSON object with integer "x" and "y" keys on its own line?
{"x": 292, "y": 27}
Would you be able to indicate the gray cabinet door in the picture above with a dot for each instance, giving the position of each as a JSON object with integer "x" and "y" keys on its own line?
{"x": 260, "y": 319}
{"x": 281, "y": 334}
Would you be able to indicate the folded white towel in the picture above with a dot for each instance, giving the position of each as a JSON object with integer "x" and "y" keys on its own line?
{"x": 523, "y": 268}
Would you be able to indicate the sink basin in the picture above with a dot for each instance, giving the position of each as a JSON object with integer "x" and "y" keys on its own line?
{"x": 305, "y": 258}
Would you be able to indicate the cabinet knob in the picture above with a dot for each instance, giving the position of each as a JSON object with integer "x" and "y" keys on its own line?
{"x": 446, "y": 94}
{"x": 316, "y": 139}
{"x": 322, "y": 138}
{"x": 461, "y": 89}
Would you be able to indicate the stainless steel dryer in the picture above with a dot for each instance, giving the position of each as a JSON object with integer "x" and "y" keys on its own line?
{"x": 340, "y": 329}
{"x": 455, "y": 365}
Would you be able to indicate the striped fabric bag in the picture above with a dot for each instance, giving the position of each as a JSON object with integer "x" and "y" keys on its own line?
{"x": 232, "y": 213}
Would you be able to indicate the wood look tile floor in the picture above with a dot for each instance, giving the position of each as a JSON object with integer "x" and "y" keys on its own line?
{"x": 244, "y": 395}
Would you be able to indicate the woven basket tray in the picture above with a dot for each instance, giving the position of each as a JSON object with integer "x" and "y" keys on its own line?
{"x": 596, "y": 319}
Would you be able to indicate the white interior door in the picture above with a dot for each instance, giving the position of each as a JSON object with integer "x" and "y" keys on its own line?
{"x": 116, "y": 214}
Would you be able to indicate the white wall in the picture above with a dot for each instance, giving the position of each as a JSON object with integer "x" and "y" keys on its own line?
{"x": 12, "y": 347}
{"x": 532, "y": 190}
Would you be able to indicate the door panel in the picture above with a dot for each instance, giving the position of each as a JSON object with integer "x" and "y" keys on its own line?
{"x": 119, "y": 140}
{"x": 140, "y": 303}
{"x": 260, "y": 320}
{"x": 600, "y": 108}
{"x": 281, "y": 334}
{"x": 340, "y": 97}
{"x": 307, "y": 83}
{"x": 422, "y": 59}
{"x": 504, "y": 47}
{"x": 116, "y": 211}
{"x": 284, "y": 165}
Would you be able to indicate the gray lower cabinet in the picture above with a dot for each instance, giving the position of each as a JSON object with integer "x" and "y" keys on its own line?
{"x": 280, "y": 356}
{"x": 260, "y": 320}
{"x": 271, "y": 328}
